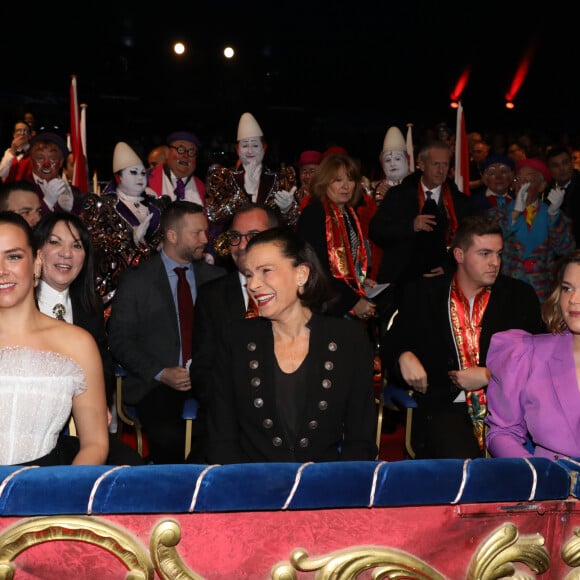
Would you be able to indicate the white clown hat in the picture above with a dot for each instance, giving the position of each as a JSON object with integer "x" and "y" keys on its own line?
{"x": 124, "y": 157}
{"x": 394, "y": 140}
{"x": 248, "y": 127}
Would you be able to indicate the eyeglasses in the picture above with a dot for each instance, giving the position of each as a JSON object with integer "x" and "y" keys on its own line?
{"x": 235, "y": 238}
{"x": 308, "y": 171}
{"x": 181, "y": 150}
{"x": 23, "y": 131}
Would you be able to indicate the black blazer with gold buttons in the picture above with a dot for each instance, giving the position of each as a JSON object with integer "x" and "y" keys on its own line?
{"x": 338, "y": 420}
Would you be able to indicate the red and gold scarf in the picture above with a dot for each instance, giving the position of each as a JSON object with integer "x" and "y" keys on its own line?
{"x": 447, "y": 205}
{"x": 467, "y": 331}
{"x": 343, "y": 265}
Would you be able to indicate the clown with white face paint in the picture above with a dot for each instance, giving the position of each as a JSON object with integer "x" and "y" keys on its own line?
{"x": 134, "y": 197}
{"x": 394, "y": 161}
{"x": 124, "y": 221}
{"x": 251, "y": 181}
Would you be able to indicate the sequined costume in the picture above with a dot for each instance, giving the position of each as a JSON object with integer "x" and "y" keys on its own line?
{"x": 36, "y": 392}
{"x": 225, "y": 192}
{"x": 111, "y": 224}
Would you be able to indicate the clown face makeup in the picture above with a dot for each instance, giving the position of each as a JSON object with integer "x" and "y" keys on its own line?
{"x": 251, "y": 150}
{"x": 395, "y": 165}
{"x": 133, "y": 181}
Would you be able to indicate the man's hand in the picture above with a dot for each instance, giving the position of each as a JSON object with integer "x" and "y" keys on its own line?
{"x": 177, "y": 378}
{"x": 434, "y": 272}
{"x": 413, "y": 372}
{"x": 252, "y": 177}
{"x": 58, "y": 191}
{"x": 470, "y": 379}
{"x": 555, "y": 197}
{"x": 284, "y": 199}
{"x": 521, "y": 198}
{"x": 424, "y": 223}
{"x": 140, "y": 231}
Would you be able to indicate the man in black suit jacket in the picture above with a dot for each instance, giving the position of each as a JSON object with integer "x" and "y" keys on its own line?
{"x": 564, "y": 176}
{"x": 225, "y": 299}
{"x": 415, "y": 222}
{"x": 425, "y": 348}
{"x": 144, "y": 330}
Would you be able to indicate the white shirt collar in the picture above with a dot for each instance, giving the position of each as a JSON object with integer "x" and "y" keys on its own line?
{"x": 48, "y": 297}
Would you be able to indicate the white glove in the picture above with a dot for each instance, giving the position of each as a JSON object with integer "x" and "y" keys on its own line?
{"x": 555, "y": 197}
{"x": 140, "y": 231}
{"x": 521, "y": 198}
{"x": 209, "y": 259}
{"x": 284, "y": 199}
{"x": 58, "y": 190}
{"x": 252, "y": 177}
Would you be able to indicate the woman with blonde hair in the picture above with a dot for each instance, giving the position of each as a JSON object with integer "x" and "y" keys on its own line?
{"x": 331, "y": 225}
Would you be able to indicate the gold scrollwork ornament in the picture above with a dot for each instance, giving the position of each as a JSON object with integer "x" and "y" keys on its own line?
{"x": 349, "y": 563}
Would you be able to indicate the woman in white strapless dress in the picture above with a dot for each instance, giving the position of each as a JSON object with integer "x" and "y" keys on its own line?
{"x": 47, "y": 367}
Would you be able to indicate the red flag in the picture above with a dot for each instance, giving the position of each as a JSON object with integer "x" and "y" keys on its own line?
{"x": 461, "y": 153}
{"x": 80, "y": 172}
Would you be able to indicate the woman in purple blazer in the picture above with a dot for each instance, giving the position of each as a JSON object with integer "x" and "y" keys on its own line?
{"x": 534, "y": 392}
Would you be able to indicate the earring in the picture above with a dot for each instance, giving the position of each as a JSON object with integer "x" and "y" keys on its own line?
{"x": 300, "y": 284}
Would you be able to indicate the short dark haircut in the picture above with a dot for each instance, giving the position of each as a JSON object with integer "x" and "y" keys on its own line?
{"x": 248, "y": 206}
{"x": 475, "y": 225}
{"x": 557, "y": 150}
{"x": 85, "y": 280}
{"x": 317, "y": 292}
{"x": 173, "y": 213}
{"x": 7, "y": 188}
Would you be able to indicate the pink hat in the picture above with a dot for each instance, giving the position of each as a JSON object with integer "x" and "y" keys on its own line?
{"x": 536, "y": 164}
{"x": 309, "y": 158}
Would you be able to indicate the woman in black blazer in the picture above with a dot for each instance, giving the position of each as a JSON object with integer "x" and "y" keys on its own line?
{"x": 294, "y": 384}
{"x": 67, "y": 290}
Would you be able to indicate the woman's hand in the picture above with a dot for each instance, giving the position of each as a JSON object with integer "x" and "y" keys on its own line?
{"x": 364, "y": 309}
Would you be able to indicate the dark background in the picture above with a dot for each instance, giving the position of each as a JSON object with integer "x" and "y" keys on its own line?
{"x": 312, "y": 73}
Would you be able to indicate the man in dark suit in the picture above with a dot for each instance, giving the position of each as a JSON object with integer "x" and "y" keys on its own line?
{"x": 564, "y": 176}
{"x": 144, "y": 331}
{"x": 439, "y": 339}
{"x": 225, "y": 299}
{"x": 415, "y": 222}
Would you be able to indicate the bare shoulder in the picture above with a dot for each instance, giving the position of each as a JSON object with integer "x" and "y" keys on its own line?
{"x": 67, "y": 339}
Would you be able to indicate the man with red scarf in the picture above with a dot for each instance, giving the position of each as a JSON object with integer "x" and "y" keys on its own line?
{"x": 439, "y": 339}
{"x": 417, "y": 219}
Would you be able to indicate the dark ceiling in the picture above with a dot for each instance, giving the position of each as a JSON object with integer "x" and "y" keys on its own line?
{"x": 313, "y": 73}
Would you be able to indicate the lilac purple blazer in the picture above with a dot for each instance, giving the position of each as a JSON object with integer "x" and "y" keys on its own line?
{"x": 533, "y": 390}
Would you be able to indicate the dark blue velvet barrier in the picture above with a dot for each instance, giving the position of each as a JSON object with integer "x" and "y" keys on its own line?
{"x": 276, "y": 486}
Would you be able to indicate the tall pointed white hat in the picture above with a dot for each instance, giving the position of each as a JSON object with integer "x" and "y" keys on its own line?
{"x": 394, "y": 140}
{"x": 124, "y": 156}
{"x": 248, "y": 127}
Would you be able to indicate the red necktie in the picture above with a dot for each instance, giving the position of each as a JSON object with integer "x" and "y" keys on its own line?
{"x": 185, "y": 308}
